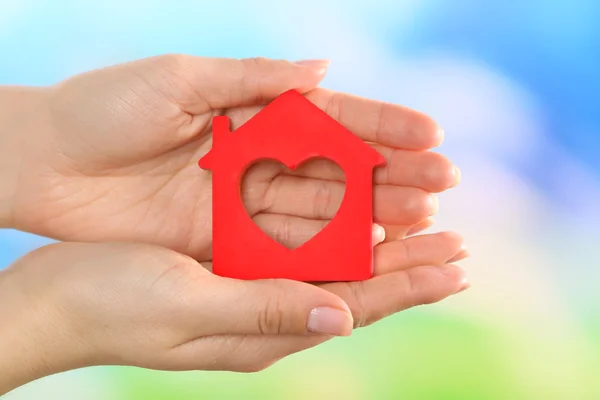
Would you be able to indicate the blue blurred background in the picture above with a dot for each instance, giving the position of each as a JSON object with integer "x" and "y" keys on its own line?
{"x": 514, "y": 84}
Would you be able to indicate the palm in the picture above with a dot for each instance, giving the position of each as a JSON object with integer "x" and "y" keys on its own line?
{"x": 128, "y": 165}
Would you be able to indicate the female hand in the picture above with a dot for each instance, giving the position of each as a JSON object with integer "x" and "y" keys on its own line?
{"x": 72, "y": 305}
{"x": 119, "y": 161}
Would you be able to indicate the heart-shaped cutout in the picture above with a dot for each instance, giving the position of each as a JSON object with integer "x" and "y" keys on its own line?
{"x": 292, "y": 207}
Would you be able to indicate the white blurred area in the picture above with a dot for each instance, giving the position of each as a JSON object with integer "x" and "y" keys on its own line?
{"x": 490, "y": 123}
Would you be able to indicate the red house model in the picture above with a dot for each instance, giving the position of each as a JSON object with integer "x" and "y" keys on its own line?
{"x": 291, "y": 130}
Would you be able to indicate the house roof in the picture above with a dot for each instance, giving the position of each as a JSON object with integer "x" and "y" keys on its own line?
{"x": 311, "y": 127}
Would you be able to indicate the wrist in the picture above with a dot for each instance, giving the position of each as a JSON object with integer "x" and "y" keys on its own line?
{"x": 23, "y": 121}
{"x": 35, "y": 337}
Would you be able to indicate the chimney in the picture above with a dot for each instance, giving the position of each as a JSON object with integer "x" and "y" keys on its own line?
{"x": 220, "y": 126}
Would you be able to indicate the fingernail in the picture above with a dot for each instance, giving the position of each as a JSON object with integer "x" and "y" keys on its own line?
{"x": 460, "y": 256}
{"x": 465, "y": 284}
{"x": 457, "y": 176}
{"x": 434, "y": 205}
{"x": 440, "y": 136}
{"x": 330, "y": 321}
{"x": 319, "y": 65}
{"x": 420, "y": 227}
{"x": 378, "y": 234}
{"x": 312, "y": 63}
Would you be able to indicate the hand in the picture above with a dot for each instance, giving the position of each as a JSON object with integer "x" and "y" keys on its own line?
{"x": 72, "y": 305}
{"x": 120, "y": 161}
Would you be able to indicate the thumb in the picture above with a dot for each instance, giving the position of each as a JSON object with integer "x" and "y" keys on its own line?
{"x": 227, "y": 82}
{"x": 274, "y": 306}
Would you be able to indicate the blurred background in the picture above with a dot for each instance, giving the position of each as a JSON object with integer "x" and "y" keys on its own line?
{"x": 515, "y": 86}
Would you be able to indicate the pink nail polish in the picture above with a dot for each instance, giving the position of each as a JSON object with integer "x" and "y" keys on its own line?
{"x": 330, "y": 321}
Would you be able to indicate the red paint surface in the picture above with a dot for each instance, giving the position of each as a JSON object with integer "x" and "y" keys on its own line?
{"x": 291, "y": 130}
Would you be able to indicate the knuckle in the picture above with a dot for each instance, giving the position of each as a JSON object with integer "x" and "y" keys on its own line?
{"x": 408, "y": 296}
{"x": 270, "y": 317}
{"x": 391, "y": 164}
{"x": 248, "y": 69}
{"x": 333, "y": 105}
{"x": 380, "y": 122}
{"x": 359, "y": 311}
{"x": 264, "y": 62}
{"x": 255, "y": 61}
{"x": 323, "y": 200}
{"x": 406, "y": 253}
{"x": 283, "y": 231}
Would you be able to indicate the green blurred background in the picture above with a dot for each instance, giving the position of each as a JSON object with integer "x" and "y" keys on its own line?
{"x": 514, "y": 84}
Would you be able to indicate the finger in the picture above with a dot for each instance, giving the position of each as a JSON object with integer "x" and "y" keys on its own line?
{"x": 288, "y": 230}
{"x": 321, "y": 199}
{"x": 434, "y": 249}
{"x": 422, "y": 169}
{"x": 378, "y": 237}
{"x": 269, "y": 307}
{"x": 292, "y": 231}
{"x": 395, "y": 232}
{"x": 379, "y": 122}
{"x": 239, "y": 353}
{"x": 240, "y": 115}
{"x": 227, "y": 82}
{"x": 459, "y": 257}
{"x": 399, "y": 232}
{"x": 388, "y": 124}
{"x": 426, "y": 170}
{"x": 420, "y": 227}
{"x": 388, "y": 294}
